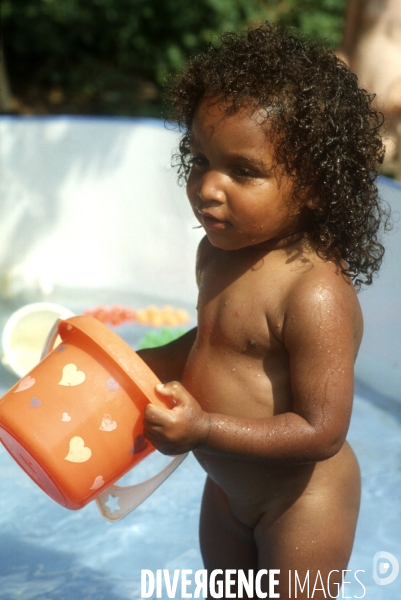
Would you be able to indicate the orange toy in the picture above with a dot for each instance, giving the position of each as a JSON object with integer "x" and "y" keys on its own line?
{"x": 74, "y": 423}
{"x": 152, "y": 315}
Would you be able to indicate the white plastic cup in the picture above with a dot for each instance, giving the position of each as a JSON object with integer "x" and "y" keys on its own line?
{"x": 25, "y": 334}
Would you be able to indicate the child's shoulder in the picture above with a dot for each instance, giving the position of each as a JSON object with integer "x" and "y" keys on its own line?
{"x": 321, "y": 291}
{"x": 321, "y": 313}
{"x": 203, "y": 255}
{"x": 205, "y": 248}
{"x": 310, "y": 292}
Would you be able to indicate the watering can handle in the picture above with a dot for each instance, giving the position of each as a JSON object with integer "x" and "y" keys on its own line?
{"x": 115, "y": 502}
{"x": 50, "y": 340}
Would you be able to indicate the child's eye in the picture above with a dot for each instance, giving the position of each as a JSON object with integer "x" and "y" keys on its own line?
{"x": 245, "y": 172}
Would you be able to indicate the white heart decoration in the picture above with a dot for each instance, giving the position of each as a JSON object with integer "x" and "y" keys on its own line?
{"x": 78, "y": 452}
{"x": 71, "y": 376}
{"x": 99, "y": 481}
{"x": 107, "y": 423}
{"x": 25, "y": 384}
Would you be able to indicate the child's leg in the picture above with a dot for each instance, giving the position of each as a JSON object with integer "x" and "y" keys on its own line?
{"x": 315, "y": 534}
{"x": 225, "y": 542}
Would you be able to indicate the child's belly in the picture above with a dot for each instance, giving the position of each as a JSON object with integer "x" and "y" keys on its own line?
{"x": 256, "y": 490}
{"x": 252, "y": 489}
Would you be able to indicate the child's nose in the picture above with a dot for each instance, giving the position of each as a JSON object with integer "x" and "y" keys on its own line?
{"x": 211, "y": 187}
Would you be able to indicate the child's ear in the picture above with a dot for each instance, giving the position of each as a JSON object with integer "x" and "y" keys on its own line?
{"x": 311, "y": 203}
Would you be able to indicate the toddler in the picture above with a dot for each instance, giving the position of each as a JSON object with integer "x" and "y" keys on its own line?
{"x": 279, "y": 153}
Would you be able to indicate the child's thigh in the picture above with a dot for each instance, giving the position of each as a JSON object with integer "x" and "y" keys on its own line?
{"x": 225, "y": 542}
{"x": 313, "y": 538}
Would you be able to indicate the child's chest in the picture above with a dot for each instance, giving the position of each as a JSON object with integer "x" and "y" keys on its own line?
{"x": 240, "y": 304}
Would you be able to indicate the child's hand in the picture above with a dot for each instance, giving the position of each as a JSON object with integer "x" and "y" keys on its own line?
{"x": 176, "y": 430}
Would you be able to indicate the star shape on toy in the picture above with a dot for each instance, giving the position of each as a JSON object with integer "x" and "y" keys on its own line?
{"x": 112, "y": 503}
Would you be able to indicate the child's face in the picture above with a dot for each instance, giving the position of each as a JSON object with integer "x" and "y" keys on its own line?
{"x": 233, "y": 187}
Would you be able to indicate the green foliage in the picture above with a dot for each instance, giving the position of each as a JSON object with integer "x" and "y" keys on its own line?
{"x": 321, "y": 19}
{"x": 112, "y": 56}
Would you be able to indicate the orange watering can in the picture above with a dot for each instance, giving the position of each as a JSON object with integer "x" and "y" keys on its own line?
{"x": 74, "y": 423}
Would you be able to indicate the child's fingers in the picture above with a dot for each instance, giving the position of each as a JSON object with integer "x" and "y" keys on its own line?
{"x": 156, "y": 415}
{"x": 173, "y": 390}
{"x": 180, "y": 428}
{"x": 168, "y": 389}
{"x": 157, "y": 424}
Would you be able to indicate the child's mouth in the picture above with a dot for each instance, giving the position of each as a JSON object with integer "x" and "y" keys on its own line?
{"x": 212, "y": 223}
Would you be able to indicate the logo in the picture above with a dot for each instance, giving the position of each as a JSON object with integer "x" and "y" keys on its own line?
{"x": 381, "y": 568}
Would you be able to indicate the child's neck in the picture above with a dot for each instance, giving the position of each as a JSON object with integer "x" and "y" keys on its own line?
{"x": 284, "y": 242}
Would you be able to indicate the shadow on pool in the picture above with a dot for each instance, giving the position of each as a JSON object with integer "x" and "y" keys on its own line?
{"x": 32, "y": 571}
{"x": 389, "y": 405}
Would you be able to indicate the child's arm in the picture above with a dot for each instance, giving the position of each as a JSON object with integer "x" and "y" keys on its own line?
{"x": 168, "y": 361}
{"x": 318, "y": 333}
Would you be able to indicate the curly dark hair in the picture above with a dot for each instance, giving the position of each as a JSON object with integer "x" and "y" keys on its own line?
{"x": 324, "y": 128}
